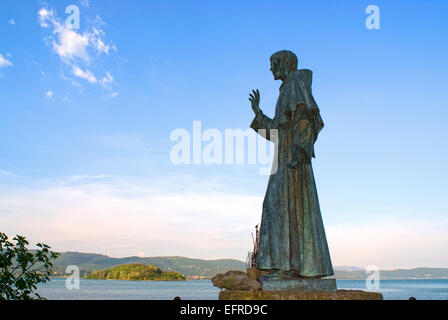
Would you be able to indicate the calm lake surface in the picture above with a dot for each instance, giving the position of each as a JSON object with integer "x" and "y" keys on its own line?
{"x": 204, "y": 290}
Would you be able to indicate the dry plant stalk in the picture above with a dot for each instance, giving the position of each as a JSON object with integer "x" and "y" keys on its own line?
{"x": 256, "y": 243}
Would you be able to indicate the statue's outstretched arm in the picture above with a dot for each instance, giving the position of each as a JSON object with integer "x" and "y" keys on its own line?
{"x": 262, "y": 124}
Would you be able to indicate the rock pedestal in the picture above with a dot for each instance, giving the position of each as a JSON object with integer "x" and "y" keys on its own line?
{"x": 299, "y": 295}
{"x": 254, "y": 285}
{"x": 299, "y": 285}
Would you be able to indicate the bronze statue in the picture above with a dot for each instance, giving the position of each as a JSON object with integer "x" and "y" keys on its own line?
{"x": 292, "y": 236}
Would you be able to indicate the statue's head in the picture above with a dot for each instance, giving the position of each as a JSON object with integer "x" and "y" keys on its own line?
{"x": 282, "y": 64}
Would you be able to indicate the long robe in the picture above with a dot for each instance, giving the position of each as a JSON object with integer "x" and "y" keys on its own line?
{"x": 292, "y": 235}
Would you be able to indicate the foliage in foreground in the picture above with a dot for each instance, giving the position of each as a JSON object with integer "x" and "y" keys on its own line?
{"x": 136, "y": 272}
{"x": 21, "y": 269}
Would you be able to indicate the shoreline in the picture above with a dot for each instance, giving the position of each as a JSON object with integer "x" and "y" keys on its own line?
{"x": 190, "y": 279}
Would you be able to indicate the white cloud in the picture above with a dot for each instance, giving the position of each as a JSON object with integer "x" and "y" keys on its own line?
{"x": 84, "y": 177}
{"x": 72, "y": 80}
{"x": 182, "y": 216}
{"x": 111, "y": 95}
{"x": 49, "y": 94}
{"x": 11, "y": 21}
{"x": 84, "y": 74}
{"x": 75, "y": 48}
{"x": 98, "y": 43}
{"x": 124, "y": 218}
{"x": 44, "y": 16}
{"x": 8, "y": 174}
{"x": 107, "y": 79}
{"x": 68, "y": 44}
{"x": 4, "y": 62}
{"x": 71, "y": 45}
{"x": 390, "y": 244}
{"x": 85, "y": 3}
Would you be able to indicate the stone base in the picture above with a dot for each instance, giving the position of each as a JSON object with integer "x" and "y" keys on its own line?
{"x": 305, "y": 284}
{"x": 299, "y": 295}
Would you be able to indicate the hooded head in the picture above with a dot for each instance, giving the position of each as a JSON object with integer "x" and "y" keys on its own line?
{"x": 283, "y": 63}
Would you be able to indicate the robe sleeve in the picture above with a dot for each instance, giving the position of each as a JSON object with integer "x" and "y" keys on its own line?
{"x": 262, "y": 124}
{"x": 308, "y": 123}
{"x": 304, "y": 138}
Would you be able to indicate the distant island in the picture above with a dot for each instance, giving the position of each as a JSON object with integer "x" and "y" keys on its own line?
{"x": 136, "y": 272}
{"x": 89, "y": 263}
{"x": 191, "y": 268}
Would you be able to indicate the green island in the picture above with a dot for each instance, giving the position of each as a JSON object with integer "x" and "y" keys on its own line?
{"x": 136, "y": 272}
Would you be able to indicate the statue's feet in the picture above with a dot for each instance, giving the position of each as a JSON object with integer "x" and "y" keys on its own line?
{"x": 281, "y": 275}
{"x": 273, "y": 275}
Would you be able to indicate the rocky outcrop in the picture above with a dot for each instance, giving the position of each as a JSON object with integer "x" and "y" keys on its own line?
{"x": 236, "y": 280}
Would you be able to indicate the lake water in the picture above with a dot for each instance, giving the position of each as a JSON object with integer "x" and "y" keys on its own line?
{"x": 204, "y": 290}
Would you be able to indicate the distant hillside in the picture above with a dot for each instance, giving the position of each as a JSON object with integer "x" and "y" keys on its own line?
{"x": 348, "y": 268}
{"x": 88, "y": 262}
{"x": 136, "y": 272}
{"x": 415, "y": 273}
{"x": 197, "y": 268}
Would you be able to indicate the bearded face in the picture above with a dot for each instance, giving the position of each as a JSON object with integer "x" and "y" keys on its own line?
{"x": 282, "y": 64}
{"x": 278, "y": 69}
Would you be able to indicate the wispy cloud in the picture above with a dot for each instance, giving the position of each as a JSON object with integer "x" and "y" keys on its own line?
{"x": 5, "y": 62}
{"x": 96, "y": 214}
{"x": 390, "y": 244}
{"x": 84, "y": 74}
{"x": 112, "y": 95}
{"x": 11, "y": 21}
{"x": 107, "y": 79}
{"x": 123, "y": 216}
{"x": 8, "y": 173}
{"x": 78, "y": 49}
{"x": 85, "y": 3}
{"x": 49, "y": 94}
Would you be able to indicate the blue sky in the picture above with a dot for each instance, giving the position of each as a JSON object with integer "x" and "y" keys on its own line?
{"x": 85, "y": 121}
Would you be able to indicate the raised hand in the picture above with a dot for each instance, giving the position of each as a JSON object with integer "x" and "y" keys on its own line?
{"x": 255, "y": 101}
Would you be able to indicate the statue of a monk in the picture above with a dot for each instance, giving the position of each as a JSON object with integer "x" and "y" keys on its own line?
{"x": 292, "y": 236}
